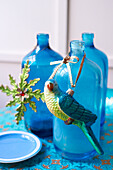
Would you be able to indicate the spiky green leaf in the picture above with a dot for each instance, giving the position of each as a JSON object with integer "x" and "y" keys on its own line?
{"x": 14, "y": 102}
{"x": 32, "y": 105}
{"x": 24, "y": 76}
{"x": 37, "y": 94}
{"x": 27, "y": 100}
{"x": 20, "y": 112}
{"x": 22, "y": 84}
{"x": 23, "y": 107}
{"x": 25, "y": 88}
{"x": 14, "y": 92}
{"x": 12, "y": 81}
{"x": 6, "y": 90}
{"x": 32, "y": 83}
{"x": 42, "y": 97}
{"x": 11, "y": 103}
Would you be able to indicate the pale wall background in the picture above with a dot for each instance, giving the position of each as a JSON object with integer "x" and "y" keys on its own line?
{"x": 64, "y": 20}
{"x": 94, "y": 16}
{"x": 20, "y": 21}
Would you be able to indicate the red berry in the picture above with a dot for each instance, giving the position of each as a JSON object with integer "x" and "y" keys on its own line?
{"x": 22, "y": 94}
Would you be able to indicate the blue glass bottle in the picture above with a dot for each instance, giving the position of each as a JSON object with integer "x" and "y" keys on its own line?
{"x": 41, "y": 122}
{"x": 69, "y": 140}
{"x": 101, "y": 59}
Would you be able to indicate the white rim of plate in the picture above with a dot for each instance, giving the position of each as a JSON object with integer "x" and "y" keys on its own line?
{"x": 33, "y": 153}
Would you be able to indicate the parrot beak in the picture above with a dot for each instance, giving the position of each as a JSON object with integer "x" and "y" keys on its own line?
{"x": 50, "y": 86}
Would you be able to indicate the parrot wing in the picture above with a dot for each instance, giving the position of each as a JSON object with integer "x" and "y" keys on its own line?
{"x": 75, "y": 110}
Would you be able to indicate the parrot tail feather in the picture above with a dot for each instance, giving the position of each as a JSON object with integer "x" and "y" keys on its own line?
{"x": 92, "y": 139}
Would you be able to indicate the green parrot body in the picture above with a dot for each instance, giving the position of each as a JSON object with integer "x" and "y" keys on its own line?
{"x": 65, "y": 107}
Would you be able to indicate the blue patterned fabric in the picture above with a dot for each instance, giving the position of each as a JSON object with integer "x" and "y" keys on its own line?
{"x": 47, "y": 158}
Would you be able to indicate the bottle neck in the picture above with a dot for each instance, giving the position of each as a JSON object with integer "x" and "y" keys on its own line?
{"x": 88, "y": 39}
{"x": 77, "y": 48}
{"x": 42, "y": 40}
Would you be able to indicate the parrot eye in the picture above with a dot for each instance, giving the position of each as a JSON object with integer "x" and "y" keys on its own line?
{"x": 50, "y": 86}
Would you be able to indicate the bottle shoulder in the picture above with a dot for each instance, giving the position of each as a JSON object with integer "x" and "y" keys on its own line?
{"x": 53, "y": 54}
{"x": 92, "y": 67}
{"x": 96, "y": 54}
{"x": 99, "y": 58}
{"x": 89, "y": 69}
{"x": 42, "y": 56}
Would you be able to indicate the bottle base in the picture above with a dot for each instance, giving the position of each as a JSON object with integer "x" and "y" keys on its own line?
{"x": 43, "y": 133}
{"x": 73, "y": 156}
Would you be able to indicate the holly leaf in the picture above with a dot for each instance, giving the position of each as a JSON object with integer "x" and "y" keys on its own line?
{"x": 25, "y": 71}
{"x": 22, "y": 93}
{"x": 12, "y": 81}
{"x": 37, "y": 94}
{"x": 6, "y": 90}
{"x": 23, "y": 108}
{"x": 14, "y": 102}
{"x": 32, "y": 83}
{"x": 11, "y": 103}
{"x": 27, "y": 100}
{"x": 20, "y": 112}
{"x": 22, "y": 84}
{"x": 32, "y": 105}
{"x": 14, "y": 92}
{"x": 42, "y": 97}
{"x": 24, "y": 76}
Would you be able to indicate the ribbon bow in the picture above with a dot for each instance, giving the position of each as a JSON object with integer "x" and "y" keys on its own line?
{"x": 66, "y": 61}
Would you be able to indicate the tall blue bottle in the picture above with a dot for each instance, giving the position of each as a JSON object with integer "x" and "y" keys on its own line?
{"x": 69, "y": 140}
{"x": 101, "y": 59}
{"x": 41, "y": 122}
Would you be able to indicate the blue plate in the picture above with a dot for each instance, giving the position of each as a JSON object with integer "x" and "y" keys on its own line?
{"x": 16, "y": 146}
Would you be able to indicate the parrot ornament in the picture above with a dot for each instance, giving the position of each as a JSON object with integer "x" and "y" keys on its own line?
{"x": 65, "y": 107}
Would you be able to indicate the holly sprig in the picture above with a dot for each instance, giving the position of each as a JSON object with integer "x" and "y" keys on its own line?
{"x": 22, "y": 93}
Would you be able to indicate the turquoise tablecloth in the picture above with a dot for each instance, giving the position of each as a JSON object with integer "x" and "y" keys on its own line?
{"x": 47, "y": 158}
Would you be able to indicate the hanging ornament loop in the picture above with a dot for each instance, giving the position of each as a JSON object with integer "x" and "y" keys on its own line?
{"x": 66, "y": 61}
